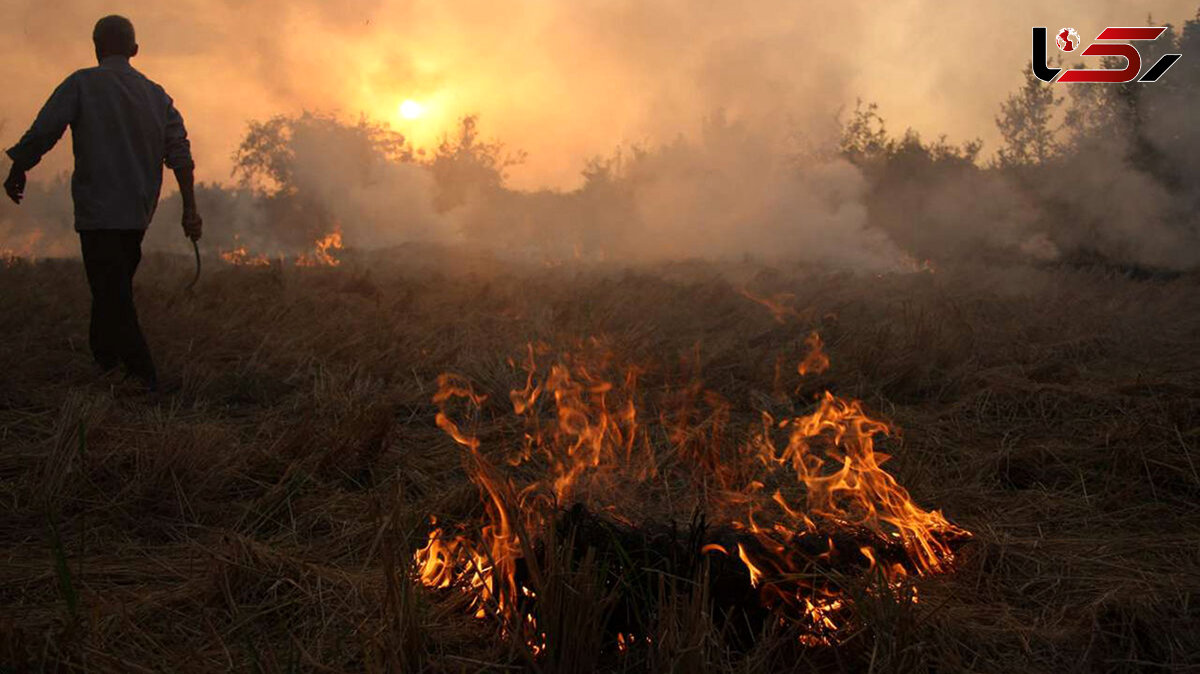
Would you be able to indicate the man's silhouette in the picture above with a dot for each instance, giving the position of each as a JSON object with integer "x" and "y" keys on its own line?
{"x": 124, "y": 128}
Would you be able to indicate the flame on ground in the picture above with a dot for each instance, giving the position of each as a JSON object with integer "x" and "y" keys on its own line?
{"x": 816, "y": 361}
{"x": 26, "y": 248}
{"x": 778, "y": 304}
{"x": 10, "y": 257}
{"x": 240, "y": 256}
{"x": 322, "y": 253}
{"x": 813, "y": 477}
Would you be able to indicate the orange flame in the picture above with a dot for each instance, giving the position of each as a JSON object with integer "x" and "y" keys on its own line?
{"x": 10, "y": 257}
{"x": 240, "y": 256}
{"x": 321, "y": 255}
{"x": 27, "y": 248}
{"x": 816, "y": 361}
{"x": 584, "y": 442}
{"x": 776, "y": 304}
{"x": 755, "y": 573}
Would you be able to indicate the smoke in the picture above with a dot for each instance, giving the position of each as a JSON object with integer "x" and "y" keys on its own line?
{"x": 565, "y": 81}
{"x": 1120, "y": 212}
{"x": 562, "y": 80}
{"x": 738, "y": 191}
{"x": 374, "y": 202}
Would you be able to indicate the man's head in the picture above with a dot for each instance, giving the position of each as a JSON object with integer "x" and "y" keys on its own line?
{"x": 114, "y": 36}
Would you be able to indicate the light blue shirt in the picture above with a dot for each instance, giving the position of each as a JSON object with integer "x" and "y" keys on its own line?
{"x": 124, "y": 128}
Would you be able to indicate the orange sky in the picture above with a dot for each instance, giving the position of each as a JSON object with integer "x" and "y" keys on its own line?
{"x": 561, "y": 80}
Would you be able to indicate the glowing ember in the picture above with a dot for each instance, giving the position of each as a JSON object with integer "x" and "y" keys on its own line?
{"x": 799, "y": 503}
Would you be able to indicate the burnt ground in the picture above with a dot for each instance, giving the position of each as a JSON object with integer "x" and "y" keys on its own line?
{"x": 260, "y": 517}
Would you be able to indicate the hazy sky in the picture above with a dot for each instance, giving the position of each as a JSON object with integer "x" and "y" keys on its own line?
{"x": 563, "y": 79}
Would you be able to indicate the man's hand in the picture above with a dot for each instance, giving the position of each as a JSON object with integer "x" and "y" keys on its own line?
{"x": 14, "y": 186}
{"x": 192, "y": 223}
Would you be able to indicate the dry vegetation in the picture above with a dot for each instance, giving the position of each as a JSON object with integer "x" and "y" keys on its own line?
{"x": 261, "y": 518}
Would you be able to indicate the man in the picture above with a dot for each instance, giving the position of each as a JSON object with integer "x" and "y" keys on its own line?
{"x": 124, "y": 128}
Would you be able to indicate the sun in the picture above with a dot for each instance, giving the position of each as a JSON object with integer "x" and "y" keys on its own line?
{"x": 411, "y": 109}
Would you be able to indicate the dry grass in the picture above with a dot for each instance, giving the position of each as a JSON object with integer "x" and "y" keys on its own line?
{"x": 262, "y": 517}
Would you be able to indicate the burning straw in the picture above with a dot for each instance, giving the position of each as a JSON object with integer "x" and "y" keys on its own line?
{"x": 791, "y": 513}
{"x": 322, "y": 253}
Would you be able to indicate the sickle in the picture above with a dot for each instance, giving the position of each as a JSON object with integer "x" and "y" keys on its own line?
{"x": 196, "y": 250}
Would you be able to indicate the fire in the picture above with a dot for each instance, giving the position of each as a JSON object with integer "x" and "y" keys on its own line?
{"x": 919, "y": 265}
{"x": 777, "y": 304}
{"x": 321, "y": 255}
{"x": 816, "y": 361}
{"x": 796, "y": 496}
{"x": 10, "y": 257}
{"x": 241, "y": 257}
{"x": 756, "y": 574}
{"x": 27, "y": 248}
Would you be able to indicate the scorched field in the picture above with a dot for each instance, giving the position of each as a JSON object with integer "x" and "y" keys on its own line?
{"x": 426, "y": 459}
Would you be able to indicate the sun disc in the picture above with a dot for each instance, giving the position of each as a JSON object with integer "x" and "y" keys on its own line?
{"x": 411, "y": 109}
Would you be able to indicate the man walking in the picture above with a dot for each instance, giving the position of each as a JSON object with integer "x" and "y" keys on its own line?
{"x": 124, "y": 127}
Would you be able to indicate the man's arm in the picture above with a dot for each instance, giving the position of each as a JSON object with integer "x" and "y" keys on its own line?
{"x": 192, "y": 223}
{"x": 177, "y": 153}
{"x": 58, "y": 112}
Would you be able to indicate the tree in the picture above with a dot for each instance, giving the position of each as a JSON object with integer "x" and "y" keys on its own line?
{"x": 1025, "y": 123}
{"x": 466, "y": 165}
{"x": 277, "y": 155}
{"x": 864, "y": 136}
{"x": 304, "y": 165}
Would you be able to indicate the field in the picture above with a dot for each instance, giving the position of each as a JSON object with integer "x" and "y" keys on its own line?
{"x": 263, "y": 516}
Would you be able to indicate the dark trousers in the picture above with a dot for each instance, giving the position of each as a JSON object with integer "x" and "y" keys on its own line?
{"x": 110, "y": 258}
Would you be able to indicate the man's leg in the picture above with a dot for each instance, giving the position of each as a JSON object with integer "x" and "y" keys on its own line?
{"x": 102, "y": 260}
{"x": 133, "y": 349}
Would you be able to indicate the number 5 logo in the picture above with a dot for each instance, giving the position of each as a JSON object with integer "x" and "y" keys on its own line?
{"x": 1133, "y": 59}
